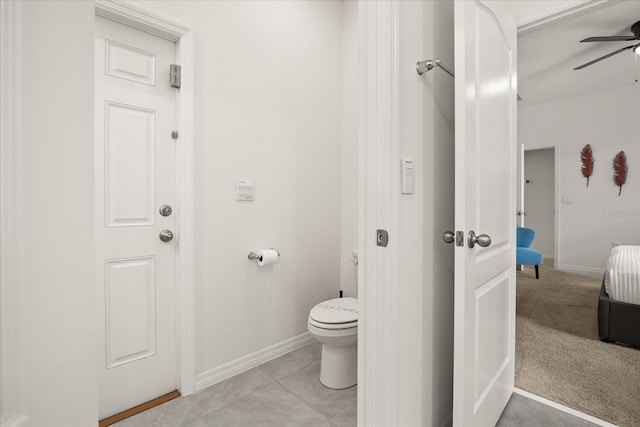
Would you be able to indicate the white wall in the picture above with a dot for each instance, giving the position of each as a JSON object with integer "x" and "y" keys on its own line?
{"x": 597, "y": 216}
{"x": 51, "y": 215}
{"x": 438, "y": 215}
{"x": 413, "y": 369}
{"x": 425, "y": 281}
{"x": 349, "y": 147}
{"x": 268, "y": 102}
{"x": 539, "y": 198}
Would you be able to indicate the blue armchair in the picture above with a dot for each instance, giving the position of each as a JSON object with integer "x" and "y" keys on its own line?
{"x": 524, "y": 254}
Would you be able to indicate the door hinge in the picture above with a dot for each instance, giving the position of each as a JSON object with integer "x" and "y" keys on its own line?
{"x": 175, "y": 78}
{"x": 174, "y": 134}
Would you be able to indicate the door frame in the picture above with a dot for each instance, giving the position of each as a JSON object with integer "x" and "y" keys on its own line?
{"x": 378, "y": 206}
{"x": 556, "y": 187}
{"x": 12, "y": 331}
{"x": 184, "y": 38}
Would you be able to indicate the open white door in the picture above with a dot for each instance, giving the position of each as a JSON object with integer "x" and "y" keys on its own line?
{"x": 485, "y": 202}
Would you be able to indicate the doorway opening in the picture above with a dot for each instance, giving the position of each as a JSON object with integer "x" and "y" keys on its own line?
{"x": 551, "y": 113}
{"x": 539, "y": 199}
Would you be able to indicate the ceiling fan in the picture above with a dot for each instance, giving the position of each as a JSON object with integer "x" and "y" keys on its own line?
{"x": 635, "y": 29}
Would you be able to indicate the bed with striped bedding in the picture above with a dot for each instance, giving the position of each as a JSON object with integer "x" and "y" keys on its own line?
{"x": 619, "y": 303}
{"x": 622, "y": 275}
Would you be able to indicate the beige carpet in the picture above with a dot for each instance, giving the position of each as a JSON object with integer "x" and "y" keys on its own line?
{"x": 559, "y": 355}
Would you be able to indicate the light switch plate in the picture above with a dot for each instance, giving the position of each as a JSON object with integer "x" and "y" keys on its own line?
{"x": 408, "y": 176}
{"x": 244, "y": 190}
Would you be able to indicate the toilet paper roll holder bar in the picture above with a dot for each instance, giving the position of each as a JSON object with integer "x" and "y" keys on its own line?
{"x": 252, "y": 255}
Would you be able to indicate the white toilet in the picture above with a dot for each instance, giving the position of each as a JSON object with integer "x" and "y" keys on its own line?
{"x": 334, "y": 323}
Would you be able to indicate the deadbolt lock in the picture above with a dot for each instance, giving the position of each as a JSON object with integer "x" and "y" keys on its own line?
{"x": 165, "y": 210}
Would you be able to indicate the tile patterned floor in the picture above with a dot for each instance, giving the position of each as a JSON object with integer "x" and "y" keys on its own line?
{"x": 287, "y": 392}
{"x": 283, "y": 392}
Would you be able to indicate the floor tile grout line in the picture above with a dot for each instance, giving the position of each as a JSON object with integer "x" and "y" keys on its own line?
{"x": 273, "y": 380}
{"x": 297, "y": 395}
{"x": 307, "y": 404}
{"x": 240, "y": 397}
{"x": 310, "y": 404}
{"x": 293, "y": 395}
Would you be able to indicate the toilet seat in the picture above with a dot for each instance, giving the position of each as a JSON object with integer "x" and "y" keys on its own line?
{"x": 338, "y": 313}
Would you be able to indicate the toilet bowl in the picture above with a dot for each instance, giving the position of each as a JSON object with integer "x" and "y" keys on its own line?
{"x": 334, "y": 323}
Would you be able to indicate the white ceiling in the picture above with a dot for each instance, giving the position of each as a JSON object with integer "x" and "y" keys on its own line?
{"x": 548, "y": 53}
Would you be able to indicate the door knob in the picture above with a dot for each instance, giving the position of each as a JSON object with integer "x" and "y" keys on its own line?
{"x": 482, "y": 240}
{"x": 448, "y": 236}
{"x": 165, "y": 210}
{"x": 166, "y": 235}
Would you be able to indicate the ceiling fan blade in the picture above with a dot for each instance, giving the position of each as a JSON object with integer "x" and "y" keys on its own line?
{"x": 610, "y": 39}
{"x": 615, "y": 52}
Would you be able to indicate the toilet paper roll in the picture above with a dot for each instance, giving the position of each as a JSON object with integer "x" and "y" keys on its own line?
{"x": 267, "y": 257}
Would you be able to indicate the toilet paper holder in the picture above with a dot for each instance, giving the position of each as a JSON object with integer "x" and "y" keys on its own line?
{"x": 252, "y": 255}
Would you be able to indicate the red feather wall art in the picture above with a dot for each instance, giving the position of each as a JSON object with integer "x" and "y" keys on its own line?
{"x": 587, "y": 162}
{"x": 620, "y": 169}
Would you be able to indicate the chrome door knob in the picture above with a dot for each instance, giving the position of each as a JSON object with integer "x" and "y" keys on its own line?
{"x": 482, "y": 240}
{"x": 165, "y": 210}
{"x": 448, "y": 236}
{"x": 166, "y": 235}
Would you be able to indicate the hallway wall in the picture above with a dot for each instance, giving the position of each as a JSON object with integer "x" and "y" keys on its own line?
{"x": 596, "y": 215}
{"x": 425, "y": 263}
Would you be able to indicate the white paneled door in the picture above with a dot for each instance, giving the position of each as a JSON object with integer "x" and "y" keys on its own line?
{"x": 485, "y": 200}
{"x": 135, "y": 177}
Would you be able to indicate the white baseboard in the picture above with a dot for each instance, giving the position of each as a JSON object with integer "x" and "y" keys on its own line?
{"x": 237, "y": 366}
{"x": 563, "y": 408}
{"x": 577, "y": 269}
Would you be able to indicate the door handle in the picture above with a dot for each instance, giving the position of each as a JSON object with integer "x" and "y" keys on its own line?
{"x": 482, "y": 240}
{"x": 448, "y": 236}
{"x": 166, "y": 235}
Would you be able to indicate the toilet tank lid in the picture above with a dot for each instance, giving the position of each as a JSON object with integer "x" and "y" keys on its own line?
{"x": 339, "y": 310}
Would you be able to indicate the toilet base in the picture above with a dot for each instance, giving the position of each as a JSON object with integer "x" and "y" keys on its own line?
{"x": 339, "y": 367}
